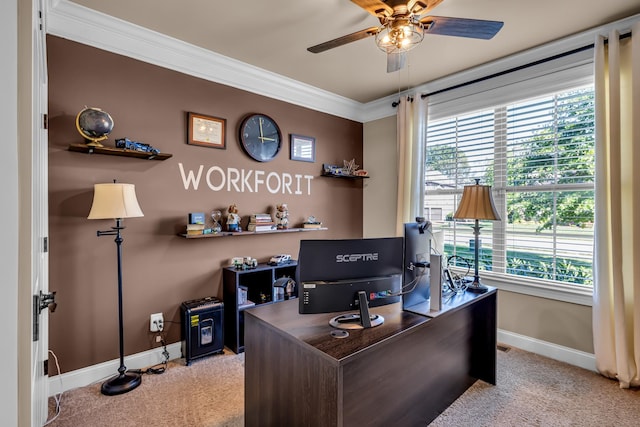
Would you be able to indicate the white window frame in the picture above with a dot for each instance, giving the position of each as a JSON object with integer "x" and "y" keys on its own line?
{"x": 560, "y": 74}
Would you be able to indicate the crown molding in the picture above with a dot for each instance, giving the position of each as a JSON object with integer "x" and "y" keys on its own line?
{"x": 83, "y": 25}
{"x": 382, "y": 107}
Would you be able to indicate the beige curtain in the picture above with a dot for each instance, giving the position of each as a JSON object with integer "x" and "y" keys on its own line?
{"x": 616, "y": 306}
{"x": 412, "y": 122}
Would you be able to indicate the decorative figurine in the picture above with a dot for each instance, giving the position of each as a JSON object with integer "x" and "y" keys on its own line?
{"x": 312, "y": 222}
{"x": 282, "y": 216}
{"x": 237, "y": 262}
{"x": 290, "y": 288}
{"x": 249, "y": 263}
{"x": 215, "y": 217}
{"x": 128, "y": 144}
{"x": 350, "y": 167}
{"x": 233, "y": 219}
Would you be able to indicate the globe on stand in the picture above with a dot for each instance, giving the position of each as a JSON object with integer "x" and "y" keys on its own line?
{"x": 94, "y": 125}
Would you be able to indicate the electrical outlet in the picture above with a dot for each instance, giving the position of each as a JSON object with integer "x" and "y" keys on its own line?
{"x": 156, "y": 322}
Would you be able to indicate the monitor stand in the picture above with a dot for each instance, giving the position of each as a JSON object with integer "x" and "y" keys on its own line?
{"x": 358, "y": 320}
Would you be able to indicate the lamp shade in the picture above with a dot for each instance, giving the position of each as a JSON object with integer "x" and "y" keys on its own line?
{"x": 111, "y": 201}
{"x": 477, "y": 203}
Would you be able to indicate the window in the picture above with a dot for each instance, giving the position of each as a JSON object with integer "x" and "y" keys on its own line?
{"x": 538, "y": 155}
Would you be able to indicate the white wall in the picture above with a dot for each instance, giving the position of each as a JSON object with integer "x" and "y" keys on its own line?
{"x": 9, "y": 212}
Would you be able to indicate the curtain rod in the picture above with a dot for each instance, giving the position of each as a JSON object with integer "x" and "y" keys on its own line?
{"x": 514, "y": 69}
{"x": 510, "y": 70}
{"x": 521, "y": 67}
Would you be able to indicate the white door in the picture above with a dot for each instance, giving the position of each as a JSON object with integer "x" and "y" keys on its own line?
{"x": 40, "y": 214}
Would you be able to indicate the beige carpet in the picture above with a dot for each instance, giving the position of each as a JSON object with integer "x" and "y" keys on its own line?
{"x": 208, "y": 393}
{"x": 532, "y": 391}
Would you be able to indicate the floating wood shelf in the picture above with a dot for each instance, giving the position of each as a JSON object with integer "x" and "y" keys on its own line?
{"x": 83, "y": 148}
{"x": 248, "y": 233}
{"x": 329, "y": 175}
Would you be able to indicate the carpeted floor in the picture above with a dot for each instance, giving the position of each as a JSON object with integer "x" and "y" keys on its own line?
{"x": 208, "y": 393}
{"x": 532, "y": 391}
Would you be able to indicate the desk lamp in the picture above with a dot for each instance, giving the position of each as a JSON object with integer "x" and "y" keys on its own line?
{"x": 117, "y": 201}
{"x": 477, "y": 204}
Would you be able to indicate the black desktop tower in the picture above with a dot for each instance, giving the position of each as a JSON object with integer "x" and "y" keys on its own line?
{"x": 202, "y": 328}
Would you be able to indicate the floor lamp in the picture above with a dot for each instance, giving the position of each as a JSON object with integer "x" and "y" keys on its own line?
{"x": 477, "y": 204}
{"x": 117, "y": 201}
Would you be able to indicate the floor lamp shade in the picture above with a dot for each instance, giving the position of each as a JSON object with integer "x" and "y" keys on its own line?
{"x": 117, "y": 201}
{"x": 477, "y": 204}
{"x": 111, "y": 201}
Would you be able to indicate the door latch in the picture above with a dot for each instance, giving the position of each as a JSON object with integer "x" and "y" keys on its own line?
{"x": 40, "y": 302}
{"x": 46, "y": 301}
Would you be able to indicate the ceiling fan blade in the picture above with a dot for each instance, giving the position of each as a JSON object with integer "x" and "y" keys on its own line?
{"x": 358, "y": 35}
{"x": 375, "y": 7}
{"x": 418, "y": 7}
{"x": 396, "y": 61}
{"x": 461, "y": 27}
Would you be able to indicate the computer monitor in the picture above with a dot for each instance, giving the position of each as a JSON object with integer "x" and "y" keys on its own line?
{"x": 349, "y": 274}
{"x": 422, "y": 269}
{"x": 417, "y": 251}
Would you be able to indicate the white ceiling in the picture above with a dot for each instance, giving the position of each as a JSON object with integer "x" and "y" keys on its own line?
{"x": 274, "y": 35}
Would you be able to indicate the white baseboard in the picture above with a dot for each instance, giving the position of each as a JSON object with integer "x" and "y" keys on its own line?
{"x": 550, "y": 350}
{"x": 102, "y": 371}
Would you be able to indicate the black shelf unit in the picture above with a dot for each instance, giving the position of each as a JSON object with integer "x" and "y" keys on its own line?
{"x": 258, "y": 283}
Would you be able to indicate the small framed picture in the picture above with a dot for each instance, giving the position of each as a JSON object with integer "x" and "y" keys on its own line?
{"x": 206, "y": 131}
{"x": 303, "y": 148}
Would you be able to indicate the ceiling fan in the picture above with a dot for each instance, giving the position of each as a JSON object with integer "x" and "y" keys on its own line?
{"x": 403, "y": 25}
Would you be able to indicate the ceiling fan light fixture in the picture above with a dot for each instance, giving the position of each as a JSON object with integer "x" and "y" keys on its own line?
{"x": 399, "y": 35}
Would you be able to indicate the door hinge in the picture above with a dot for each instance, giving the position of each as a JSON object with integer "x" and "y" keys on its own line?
{"x": 46, "y": 366}
{"x": 45, "y": 245}
{"x": 45, "y": 121}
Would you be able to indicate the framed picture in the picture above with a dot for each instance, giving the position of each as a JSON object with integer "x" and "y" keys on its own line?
{"x": 206, "y": 131}
{"x": 303, "y": 148}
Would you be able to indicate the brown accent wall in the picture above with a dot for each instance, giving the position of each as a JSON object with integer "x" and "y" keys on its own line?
{"x": 160, "y": 269}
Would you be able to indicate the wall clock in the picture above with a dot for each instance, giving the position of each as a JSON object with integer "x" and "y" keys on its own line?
{"x": 260, "y": 137}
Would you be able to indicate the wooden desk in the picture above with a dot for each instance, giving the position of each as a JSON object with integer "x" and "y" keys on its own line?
{"x": 402, "y": 373}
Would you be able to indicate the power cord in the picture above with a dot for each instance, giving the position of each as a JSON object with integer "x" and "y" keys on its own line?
{"x": 455, "y": 283}
{"x": 58, "y": 396}
{"x": 161, "y": 367}
{"x": 156, "y": 369}
{"x": 464, "y": 261}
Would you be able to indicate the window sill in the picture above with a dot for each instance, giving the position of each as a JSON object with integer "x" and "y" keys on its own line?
{"x": 540, "y": 288}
